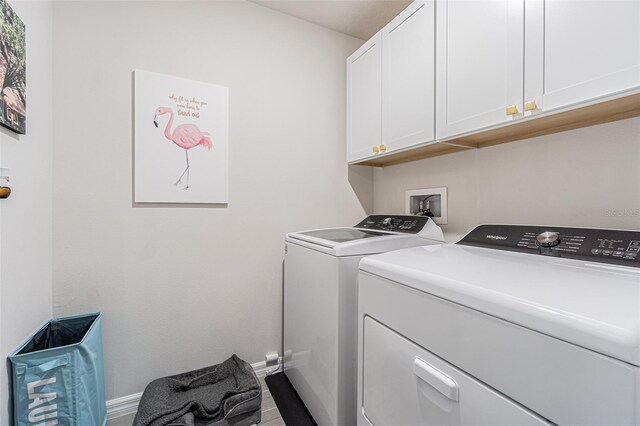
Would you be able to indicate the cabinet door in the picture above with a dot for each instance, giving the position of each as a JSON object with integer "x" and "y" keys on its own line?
{"x": 480, "y": 64}
{"x": 364, "y": 99}
{"x": 408, "y": 77}
{"x": 580, "y": 50}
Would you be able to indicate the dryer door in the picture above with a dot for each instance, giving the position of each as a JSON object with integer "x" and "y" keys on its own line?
{"x": 406, "y": 385}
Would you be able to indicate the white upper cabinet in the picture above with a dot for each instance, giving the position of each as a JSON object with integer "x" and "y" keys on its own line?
{"x": 408, "y": 77}
{"x": 364, "y": 100}
{"x": 391, "y": 86}
{"x": 498, "y": 71}
{"x": 480, "y": 64}
{"x": 578, "y": 51}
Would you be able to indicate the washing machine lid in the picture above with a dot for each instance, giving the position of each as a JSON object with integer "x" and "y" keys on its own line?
{"x": 332, "y": 236}
{"x": 375, "y": 234}
{"x": 594, "y": 305}
{"x": 352, "y": 242}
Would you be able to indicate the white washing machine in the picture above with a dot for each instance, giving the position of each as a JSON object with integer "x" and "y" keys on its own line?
{"x": 513, "y": 325}
{"x": 320, "y": 306}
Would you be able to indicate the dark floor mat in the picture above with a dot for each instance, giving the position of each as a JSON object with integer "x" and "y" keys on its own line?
{"x": 291, "y": 407}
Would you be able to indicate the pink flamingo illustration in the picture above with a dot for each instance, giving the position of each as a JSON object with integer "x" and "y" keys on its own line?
{"x": 186, "y": 136}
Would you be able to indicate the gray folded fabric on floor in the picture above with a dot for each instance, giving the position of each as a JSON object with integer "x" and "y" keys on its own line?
{"x": 225, "y": 394}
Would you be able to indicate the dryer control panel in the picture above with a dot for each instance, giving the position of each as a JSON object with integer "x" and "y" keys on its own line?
{"x": 406, "y": 224}
{"x": 595, "y": 245}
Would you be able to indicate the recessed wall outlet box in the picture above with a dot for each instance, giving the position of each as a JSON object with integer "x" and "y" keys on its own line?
{"x": 427, "y": 202}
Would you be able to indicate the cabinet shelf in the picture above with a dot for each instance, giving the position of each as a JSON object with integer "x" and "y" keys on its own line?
{"x": 529, "y": 127}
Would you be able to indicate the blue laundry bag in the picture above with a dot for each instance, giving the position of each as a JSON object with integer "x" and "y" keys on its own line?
{"x": 58, "y": 374}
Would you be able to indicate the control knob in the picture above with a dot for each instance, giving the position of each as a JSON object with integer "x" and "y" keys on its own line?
{"x": 548, "y": 239}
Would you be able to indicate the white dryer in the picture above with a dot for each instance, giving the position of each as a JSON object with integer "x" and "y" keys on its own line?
{"x": 320, "y": 306}
{"x": 513, "y": 325}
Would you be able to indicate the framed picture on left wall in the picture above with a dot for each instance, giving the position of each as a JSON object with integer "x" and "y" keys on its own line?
{"x": 181, "y": 140}
{"x": 13, "y": 72}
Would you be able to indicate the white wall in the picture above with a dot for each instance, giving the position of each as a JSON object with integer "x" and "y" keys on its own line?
{"x": 184, "y": 287}
{"x": 587, "y": 177}
{"x": 25, "y": 217}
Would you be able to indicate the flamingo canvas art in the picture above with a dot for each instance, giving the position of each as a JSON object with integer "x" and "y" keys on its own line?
{"x": 181, "y": 155}
{"x": 186, "y": 136}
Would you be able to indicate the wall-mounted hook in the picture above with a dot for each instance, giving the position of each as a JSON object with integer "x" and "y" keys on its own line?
{"x": 5, "y": 190}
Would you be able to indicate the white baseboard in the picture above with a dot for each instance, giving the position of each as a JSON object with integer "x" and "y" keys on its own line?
{"x": 126, "y": 405}
{"x": 123, "y": 406}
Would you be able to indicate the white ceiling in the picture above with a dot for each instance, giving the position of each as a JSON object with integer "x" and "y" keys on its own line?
{"x": 357, "y": 18}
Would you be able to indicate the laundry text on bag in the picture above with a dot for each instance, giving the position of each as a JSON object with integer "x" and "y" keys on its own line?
{"x": 39, "y": 413}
